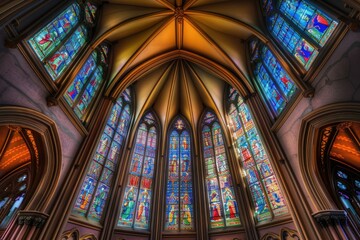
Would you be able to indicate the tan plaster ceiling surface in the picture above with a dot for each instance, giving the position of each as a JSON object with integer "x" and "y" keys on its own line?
{"x": 177, "y": 52}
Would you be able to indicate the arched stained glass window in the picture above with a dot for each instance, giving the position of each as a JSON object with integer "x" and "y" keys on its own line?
{"x": 267, "y": 197}
{"x": 59, "y": 42}
{"x": 98, "y": 181}
{"x": 299, "y": 27}
{"x": 272, "y": 80}
{"x": 223, "y": 206}
{"x": 87, "y": 83}
{"x": 136, "y": 203}
{"x": 179, "y": 213}
{"x": 347, "y": 188}
{"x": 12, "y": 196}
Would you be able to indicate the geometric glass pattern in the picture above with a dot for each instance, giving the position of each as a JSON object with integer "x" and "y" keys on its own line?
{"x": 98, "y": 181}
{"x": 347, "y": 188}
{"x": 179, "y": 214}
{"x": 299, "y": 27}
{"x": 274, "y": 82}
{"x": 223, "y": 206}
{"x": 266, "y": 195}
{"x": 60, "y": 41}
{"x": 87, "y": 83}
{"x": 136, "y": 204}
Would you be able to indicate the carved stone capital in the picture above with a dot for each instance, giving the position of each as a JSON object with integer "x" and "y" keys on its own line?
{"x": 330, "y": 217}
{"x": 32, "y": 218}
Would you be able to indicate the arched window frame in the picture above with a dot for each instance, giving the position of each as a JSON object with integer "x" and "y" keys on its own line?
{"x": 127, "y": 100}
{"x": 154, "y": 123}
{"x": 101, "y": 56}
{"x": 255, "y": 48}
{"x": 186, "y": 127}
{"x": 269, "y": 8}
{"x": 232, "y": 98}
{"x": 203, "y": 124}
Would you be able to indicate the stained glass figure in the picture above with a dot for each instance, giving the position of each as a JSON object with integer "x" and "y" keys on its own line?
{"x": 223, "y": 205}
{"x": 136, "y": 203}
{"x": 273, "y": 81}
{"x": 299, "y": 27}
{"x": 94, "y": 192}
{"x": 86, "y": 85}
{"x": 179, "y": 215}
{"x": 347, "y": 190}
{"x": 266, "y": 195}
{"x": 60, "y": 41}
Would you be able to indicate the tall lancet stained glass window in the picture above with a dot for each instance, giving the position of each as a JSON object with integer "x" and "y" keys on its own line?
{"x": 179, "y": 213}
{"x": 136, "y": 201}
{"x": 87, "y": 83}
{"x": 300, "y": 27}
{"x": 98, "y": 181}
{"x": 267, "y": 197}
{"x": 223, "y": 207}
{"x": 57, "y": 43}
{"x": 274, "y": 83}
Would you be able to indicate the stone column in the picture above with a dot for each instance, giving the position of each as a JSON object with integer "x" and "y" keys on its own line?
{"x": 27, "y": 225}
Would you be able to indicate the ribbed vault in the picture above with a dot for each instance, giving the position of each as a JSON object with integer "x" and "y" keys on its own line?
{"x": 213, "y": 31}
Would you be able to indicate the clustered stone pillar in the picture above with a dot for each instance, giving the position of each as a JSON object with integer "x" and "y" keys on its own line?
{"x": 27, "y": 225}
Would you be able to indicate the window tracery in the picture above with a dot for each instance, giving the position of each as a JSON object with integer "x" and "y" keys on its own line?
{"x": 223, "y": 206}
{"x": 94, "y": 192}
{"x": 266, "y": 195}
{"x": 299, "y": 27}
{"x": 87, "y": 83}
{"x": 272, "y": 80}
{"x": 136, "y": 203}
{"x": 60, "y": 41}
{"x": 179, "y": 214}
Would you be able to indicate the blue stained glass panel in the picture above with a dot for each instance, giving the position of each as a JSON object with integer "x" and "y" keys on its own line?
{"x": 98, "y": 205}
{"x": 136, "y": 203}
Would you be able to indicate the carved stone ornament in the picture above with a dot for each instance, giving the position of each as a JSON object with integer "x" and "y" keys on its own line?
{"x": 32, "y": 218}
{"x": 330, "y": 217}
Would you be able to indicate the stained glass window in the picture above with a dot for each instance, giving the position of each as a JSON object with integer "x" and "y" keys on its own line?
{"x": 12, "y": 197}
{"x": 347, "y": 189}
{"x": 136, "y": 203}
{"x": 59, "y": 42}
{"x": 179, "y": 213}
{"x": 273, "y": 81}
{"x": 299, "y": 27}
{"x": 87, "y": 83}
{"x": 98, "y": 181}
{"x": 223, "y": 206}
{"x": 266, "y": 195}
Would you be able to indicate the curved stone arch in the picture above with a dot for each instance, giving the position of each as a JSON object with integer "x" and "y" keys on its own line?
{"x": 72, "y": 234}
{"x": 308, "y": 142}
{"x": 117, "y": 87}
{"x": 51, "y": 148}
{"x": 270, "y": 236}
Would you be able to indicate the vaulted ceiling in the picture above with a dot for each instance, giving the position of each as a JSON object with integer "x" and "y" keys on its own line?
{"x": 179, "y": 53}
